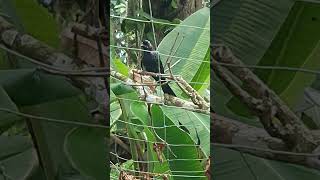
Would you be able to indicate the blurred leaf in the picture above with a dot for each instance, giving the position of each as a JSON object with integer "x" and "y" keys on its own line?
{"x": 174, "y": 4}
{"x": 234, "y": 166}
{"x": 28, "y": 87}
{"x": 50, "y": 136}
{"x": 37, "y": 21}
{"x": 7, "y": 119}
{"x": 18, "y": 158}
{"x": 86, "y": 148}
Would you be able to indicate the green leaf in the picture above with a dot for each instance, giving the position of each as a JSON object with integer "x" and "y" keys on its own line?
{"x": 299, "y": 30}
{"x": 248, "y": 28}
{"x": 38, "y": 22}
{"x": 7, "y": 119}
{"x": 183, "y": 146}
{"x": 156, "y": 166}
{"x": 28, "y": 87}
{"x": 115, "y": 112}
{"x": 50, "y": 136}
{"x": 86, "y": 148}
{"x": 193, "y": 48}
{"x": 196, "y": 123}
{"x": 18, "y": 158}
{"x": 121, "y": 68}
{"x": 233, "y": 165}
{"x": 174, "y": 4}
{"x": 119, "y": 88}
{"x": 201, "y": 80}
{"x": 139, "y": 109}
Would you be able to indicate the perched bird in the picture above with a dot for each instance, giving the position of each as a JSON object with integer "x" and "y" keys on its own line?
{"x": 150, "y": 63}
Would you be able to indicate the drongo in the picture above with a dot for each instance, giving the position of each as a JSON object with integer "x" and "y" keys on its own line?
{"x": 151, "y": 63}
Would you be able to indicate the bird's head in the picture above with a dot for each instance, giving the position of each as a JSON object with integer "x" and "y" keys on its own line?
{"x": 146, "y": 45}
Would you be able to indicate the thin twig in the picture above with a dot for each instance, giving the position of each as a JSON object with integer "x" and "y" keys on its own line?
{"x": 75, "y": 123}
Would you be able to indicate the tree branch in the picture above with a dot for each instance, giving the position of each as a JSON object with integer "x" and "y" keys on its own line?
{"x": 278, "y": 120}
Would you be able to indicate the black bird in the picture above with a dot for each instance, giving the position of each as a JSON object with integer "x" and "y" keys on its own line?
{"x": 150, "y": 63}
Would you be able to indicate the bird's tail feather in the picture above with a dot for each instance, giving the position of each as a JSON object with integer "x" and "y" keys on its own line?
{"x": 167, "y": 90}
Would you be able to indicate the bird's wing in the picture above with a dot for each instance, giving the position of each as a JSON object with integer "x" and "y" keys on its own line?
{"x": 157, "y": 61}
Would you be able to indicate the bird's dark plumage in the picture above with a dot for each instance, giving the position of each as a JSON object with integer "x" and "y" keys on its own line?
{"x": 150, "y": 63}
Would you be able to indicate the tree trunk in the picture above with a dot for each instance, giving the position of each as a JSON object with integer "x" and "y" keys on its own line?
{"x": 164, "y": 9}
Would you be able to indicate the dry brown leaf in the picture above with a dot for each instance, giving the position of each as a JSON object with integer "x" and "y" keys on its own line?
{"x": 87, "y": 48}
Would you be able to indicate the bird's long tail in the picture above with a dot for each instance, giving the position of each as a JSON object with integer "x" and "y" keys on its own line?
{"x": 167, "y": 90}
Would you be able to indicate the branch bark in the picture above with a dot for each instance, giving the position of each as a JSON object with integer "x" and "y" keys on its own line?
{"x": 283, "y": 130}
{"x": 236, "y": 135}
{"x": 276, "y": 117}
{"x": 31, "y": 47}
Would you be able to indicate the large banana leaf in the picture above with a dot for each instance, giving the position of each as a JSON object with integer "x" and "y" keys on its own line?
{"x": 273, "y": 33}
{"x": 15, "y": 149}
{"x": 190, "y": 57}
{"x": 247, "y": 28}
{"x": 237, "y": 165}
{"x": 181, "y": 145}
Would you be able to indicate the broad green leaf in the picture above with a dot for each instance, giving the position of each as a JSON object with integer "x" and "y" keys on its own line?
{"x": 29, "y": 87}
{"x": 156, "y": 166}
{"x": 299, "y": 30}
{"x": 115, "y": 112}
{"x": 38, "y": 22}
{"x": 18, "y": 158}
{"x": 201, "y": 80}
{"x": 86, "y": 148}
{"x": 119, "y": 88}
{"x": 233, "y": 165}
{"x": 265, "y": 33}
{"x": 196, "y": 123}
{"x": 247, "y": 28}
{"x": 193, "y": 48}
{"x": 181, "y": 145}
{"x": 139, "y": 109}
{"x": 121, "y": 68}
{"x": 7, "y": 119}
{"x": 50, "y": 136}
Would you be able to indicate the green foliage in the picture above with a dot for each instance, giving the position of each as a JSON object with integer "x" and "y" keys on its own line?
{"x": 181, "y": 141}
{"x": 86, "y": 149}
{"x": 37, "y": 21}
{"x": 192, "y": 54}
{"x": 236, "y": 165}
{"x": 6, "y": 119}
{"x": 269, "y": 33}
{"x": 121, "y": 67}
{"x": 197, "y": 124}
{"x": 202, "y": 76}
{"x": 18, "y": 149}
{"x": 234, "y": 22}
{"x": 299, "y": 48}
{"x": 138, "y": 122}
